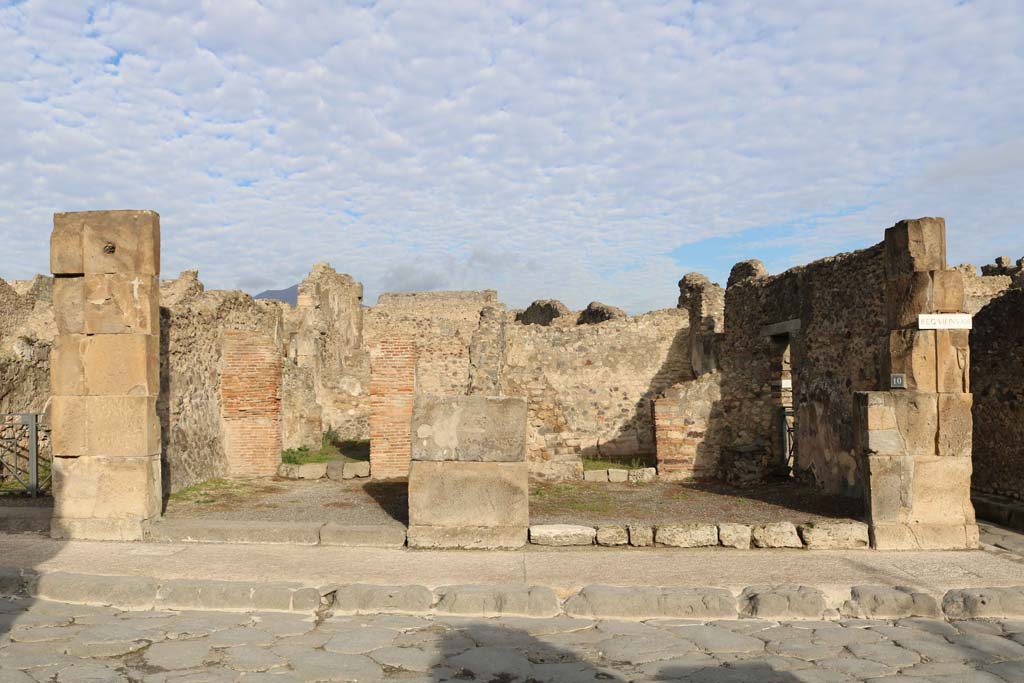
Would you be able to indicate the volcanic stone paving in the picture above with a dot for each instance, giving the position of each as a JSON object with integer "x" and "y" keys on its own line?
{"x": 49, "y": 641}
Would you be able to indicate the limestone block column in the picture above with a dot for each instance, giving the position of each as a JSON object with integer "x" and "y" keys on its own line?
{"x": 468, "y": 479}
{"x": 915, "y": 440}
{"x": 105, "y": 373}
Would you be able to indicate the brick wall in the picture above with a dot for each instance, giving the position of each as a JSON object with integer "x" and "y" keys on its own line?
{"x": 392, "y": 389}
{"x": 251, "y": 403}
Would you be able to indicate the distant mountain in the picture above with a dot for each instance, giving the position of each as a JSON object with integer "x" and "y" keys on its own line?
{"x": 289, "y": 295}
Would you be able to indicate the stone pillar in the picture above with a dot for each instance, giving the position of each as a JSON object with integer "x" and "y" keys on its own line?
{"x": 392, "y": 387}
{"x": 916, "y": 441}
{"x": 105, "y": 373}
{"x": 468, "y": 480}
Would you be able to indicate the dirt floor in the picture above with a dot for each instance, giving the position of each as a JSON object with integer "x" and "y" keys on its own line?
{"x": 370, "y": 502}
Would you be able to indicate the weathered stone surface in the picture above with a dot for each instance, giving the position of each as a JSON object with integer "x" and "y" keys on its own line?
{"x": 562, "y": 534}
{"x": 367, "y": 599}
{"x": 956, "y": 425}
{"x": 734, "y": 535}
{"x": 309, "y": 470}
{"x": 356, "y": 470}
{"x": 543, "y": 312}
{"x": 953, "y": 361}
{"x": 941, "y": 491}
{"x": 185, "y": 530}
{"x": 912, "y": 352}
{"x": 975, "y": 603}
{"x": 612, "y": 535}
{"x": 686, "y": 535}
{"x": 782, "y": 602}
{"x": 66, "y": 254}
{"x": 610, "y": 602}
{"x": 469, "y": 428}
{"x": 367, "y": 535}
{"x": 124, "y": 241}
{"x": 69, "y": 304}
{"x": 618, "y": 476}
{"x": 122, "y": 304}
{"x": 69, "y": 426}
{"x": 886, "y": 602}
{"x": 107, "y": 488}
{"x": 890, "y": 488}
{"x": 641, "y": 535}
{"x": 831, "y": 535}
{"x": 776, "y": 535}
{"x": 924, "y": 536}
{"x": 481, "y": 537}
{"x": 915, "y": 245}
{"x": 493, "y": 601}
{"x": 98, "y": 529}
{"x": 468, "y": 494}
{"x": 122, "y": 426}
{"x": 643, "y": 475}
{"x": 595, "y": 475}
{"x": 597, "y": 312}
{"x": 122, "y": 592}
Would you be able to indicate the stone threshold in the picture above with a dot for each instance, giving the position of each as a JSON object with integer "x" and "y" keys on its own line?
{"x": 846, "y": 535}
{"x": 780, "y": 602}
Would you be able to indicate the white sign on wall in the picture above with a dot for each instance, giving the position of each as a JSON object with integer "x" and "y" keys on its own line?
{"x": 944, "y": 321}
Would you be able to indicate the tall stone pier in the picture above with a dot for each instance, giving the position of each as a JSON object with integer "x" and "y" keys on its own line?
{"x": 468, "y": 479}
{"x": 915, "y": 436}
{"x": 105, "y": 373}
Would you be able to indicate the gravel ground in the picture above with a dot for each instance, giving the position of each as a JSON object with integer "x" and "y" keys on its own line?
{"x": 369, "y": 502}
{"x": 56, "y": 642}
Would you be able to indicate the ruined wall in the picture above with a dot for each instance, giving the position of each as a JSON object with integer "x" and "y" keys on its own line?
{"x": 997, "y": 380}
{"x": 442, "y": 325}
{"x": 194, "y": 325}
{"x": 835, "y": 310}
{"x": 27, "y": 330}
{"x": 327, "y": 370}
{"x": 589, "y": 386}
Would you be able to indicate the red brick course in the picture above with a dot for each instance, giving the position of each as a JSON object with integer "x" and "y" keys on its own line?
{"x": 392, "y": 390}
{"x": 250, "y": 395}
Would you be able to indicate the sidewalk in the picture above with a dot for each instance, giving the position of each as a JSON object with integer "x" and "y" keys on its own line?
{"x": 565, "y": 570}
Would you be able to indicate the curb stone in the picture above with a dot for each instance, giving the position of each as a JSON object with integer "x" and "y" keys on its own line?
{"x": 785, "y": 602}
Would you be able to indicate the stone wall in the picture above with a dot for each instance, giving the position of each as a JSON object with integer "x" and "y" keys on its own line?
{"x": 589, "y": 386}
{"x": 27, "y": 330}
{"x": 194, "y": 328}
{"x": 829, "y": 314}
{"x": 997, "y": 380}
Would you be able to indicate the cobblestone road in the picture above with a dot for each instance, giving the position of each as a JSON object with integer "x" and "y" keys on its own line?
{"x": 47, "y": 641}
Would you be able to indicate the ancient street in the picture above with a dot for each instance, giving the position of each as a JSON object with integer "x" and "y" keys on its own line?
{"x": 51, "y": 641}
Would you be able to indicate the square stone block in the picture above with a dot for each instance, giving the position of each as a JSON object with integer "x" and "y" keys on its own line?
{"x": 889, "y": 491}
{"x": 125, "y": 303}
{"x": 468, "y": 494}
{"x": 122, "y": 426}
{"x": 122, "y": 364}
{"x": 956, "y": 424}
{"x": 126, "y": 241}
{"x": 947, "y": 294}
{"x": 67, "y": 373}
{"x": 915, "y": 245}
{"x": 469, "y": 428}
{"x": 953, "y": 361}
{"x": 66, "y": 255}
{"x": 68, "y": 425}
{"x": 914, "y": 414}
{"x": 912, "y": 353}
{"x": 942, "y": 491}
{"x": 910, "y": 294}
{"x": 106, "y": 488}
{"x": 924, "y": 536}
{"x": 69, "y": 304}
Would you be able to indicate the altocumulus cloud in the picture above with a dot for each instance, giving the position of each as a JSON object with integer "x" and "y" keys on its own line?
{"x": 582, "y": 151}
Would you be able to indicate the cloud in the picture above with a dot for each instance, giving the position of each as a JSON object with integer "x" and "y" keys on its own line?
{"x": 549, "y": 150}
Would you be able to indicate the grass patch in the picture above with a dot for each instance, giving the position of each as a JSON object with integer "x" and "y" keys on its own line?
{"x": 215, "y": 491}
{"x": 331, "y": 448}
{"x": 631, "y": 464}
{"x": 572, "y": 497}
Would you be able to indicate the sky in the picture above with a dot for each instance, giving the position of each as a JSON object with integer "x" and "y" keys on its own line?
{"x": 571, "y": 150}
